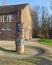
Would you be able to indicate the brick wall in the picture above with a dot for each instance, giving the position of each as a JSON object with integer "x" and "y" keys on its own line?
{"x": 8, "y": 35}
{"x": 26, "y": 19}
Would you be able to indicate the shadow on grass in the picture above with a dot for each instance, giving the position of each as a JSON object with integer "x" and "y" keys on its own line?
{"x": 39, "y": 61}
{"x": 6, "y": 50}
{"x": 42, "y": 58}
{"x": 39, "y": 50}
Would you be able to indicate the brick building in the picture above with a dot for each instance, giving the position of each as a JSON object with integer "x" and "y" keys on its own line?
{"x": 9, "y": 16}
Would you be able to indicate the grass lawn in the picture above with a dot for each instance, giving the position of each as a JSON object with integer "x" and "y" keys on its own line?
{"x": 46, "y": 41}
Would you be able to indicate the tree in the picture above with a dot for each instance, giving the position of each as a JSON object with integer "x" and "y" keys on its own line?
{"x": 50, "y": 27}
{"x": 44, "y": 23}
{"x": 34, "y": 15}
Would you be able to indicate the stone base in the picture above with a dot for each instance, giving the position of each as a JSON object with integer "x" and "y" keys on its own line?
{"x": 20, "y": 48}
{"x": 28, "y": 39}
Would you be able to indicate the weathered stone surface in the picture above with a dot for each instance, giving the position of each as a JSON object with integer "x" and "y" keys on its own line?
{"x": 20, "y": 48}
{"x": 26, "y": 19}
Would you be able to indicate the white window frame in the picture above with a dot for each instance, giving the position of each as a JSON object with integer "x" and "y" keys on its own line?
{"x": 9, "y": 19}
{"x": 3, "y": 18}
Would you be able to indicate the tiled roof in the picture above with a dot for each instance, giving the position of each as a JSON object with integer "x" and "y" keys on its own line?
{"x": 11, "y": 8}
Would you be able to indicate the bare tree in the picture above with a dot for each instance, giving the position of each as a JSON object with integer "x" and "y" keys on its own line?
{"x": 44, "y": 23}
{"x": 35, "y": 21}
{"x": 50, "y": 28}
{"x": 41, "y": 22}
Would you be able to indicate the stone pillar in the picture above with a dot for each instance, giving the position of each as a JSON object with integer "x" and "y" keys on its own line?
{"x": 19, "y": 38}
{"x": 20, "y": 48}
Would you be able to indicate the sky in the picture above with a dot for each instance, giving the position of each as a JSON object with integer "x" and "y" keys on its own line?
{"x": 30, "y": 2}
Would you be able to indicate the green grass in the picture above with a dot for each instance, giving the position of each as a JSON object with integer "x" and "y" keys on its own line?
{"x": 46, "y": 41}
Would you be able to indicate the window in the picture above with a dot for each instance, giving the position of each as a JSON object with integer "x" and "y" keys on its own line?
{"x": 3, "y": 18}
{"x": 6, "y": 18}
{"x": 9, "y": 18}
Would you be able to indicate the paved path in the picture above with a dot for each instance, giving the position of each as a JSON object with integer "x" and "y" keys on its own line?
{"x": 33, "y": 42}
{"x": 36, "y": 43}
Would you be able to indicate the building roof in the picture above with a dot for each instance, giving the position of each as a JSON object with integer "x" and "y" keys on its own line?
{"x": 11, "y": 8}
